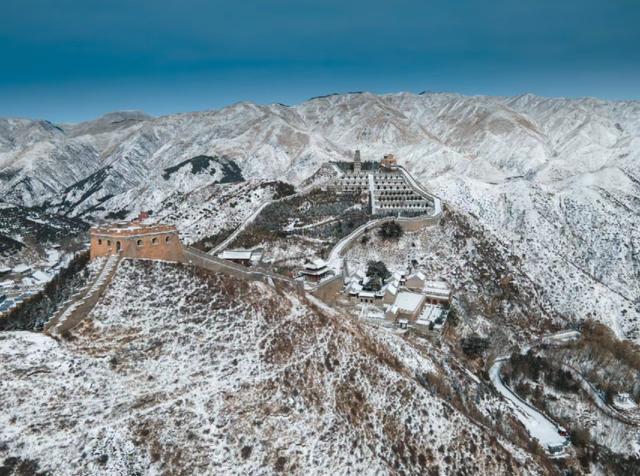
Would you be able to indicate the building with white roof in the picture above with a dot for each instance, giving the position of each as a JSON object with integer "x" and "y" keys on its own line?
{"x": 9, "y": 283}
{"x": 242, "y": 256}
{"x": 315, "y": 270}
{"x": 431, "y": 318}
{"x": 409, "y": 304}
{"x": 416, "y": 281}
{"x": 623, "y": 401}
{"x": 390, "y": 293}
{"x": 41, "y": 276}
{"x": 22, "y": 269}
{"x": 437, "y": 292}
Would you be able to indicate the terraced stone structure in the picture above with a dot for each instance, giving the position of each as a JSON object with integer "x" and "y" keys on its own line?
{"x": 137, "y": 240}
{"x": 389, "y": 186}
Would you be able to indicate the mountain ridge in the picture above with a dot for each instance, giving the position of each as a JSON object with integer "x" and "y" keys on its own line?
{"x": 556, "y": 180}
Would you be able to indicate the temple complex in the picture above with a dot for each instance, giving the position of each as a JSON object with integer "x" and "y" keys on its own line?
{"x": 389, "y": 186}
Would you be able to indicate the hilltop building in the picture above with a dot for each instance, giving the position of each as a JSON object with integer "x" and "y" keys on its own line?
{"x": 437, "y": 292}
{"x": 407, "y": 301}
{"x": 407, "y": 306}
{"x": 389, "y": 162}
{"x": 390, "y": 188}
{"x": 137, "y": 240}
{"x": 357, "y": 162}
{"x": 416, "y": 281}
{"x": 315, "y": 270}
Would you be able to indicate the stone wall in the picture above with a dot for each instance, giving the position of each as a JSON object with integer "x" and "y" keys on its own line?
{"x": 161, "y": 242}
{"x": 329, "y": 289}
{"x": 417, "y": 223}
{"x": 203, "y": 260}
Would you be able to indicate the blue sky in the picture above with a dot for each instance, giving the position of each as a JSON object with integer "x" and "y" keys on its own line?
{"x": 73, "y": 60}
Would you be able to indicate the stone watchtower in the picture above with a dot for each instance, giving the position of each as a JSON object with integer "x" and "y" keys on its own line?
{"x": 357, "y": 163}
{"x": 137, "y": 240}
{"x": 389, "y": 162}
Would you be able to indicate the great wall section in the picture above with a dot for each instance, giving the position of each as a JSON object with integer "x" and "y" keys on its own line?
{"x": 80, "y": 305}
{"x": 389, "y": 192}
{"x": 390, "y": 196}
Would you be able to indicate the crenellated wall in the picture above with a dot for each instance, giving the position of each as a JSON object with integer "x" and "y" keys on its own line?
{"x": 197, "y": 258}
{"x": 160, "y": 242}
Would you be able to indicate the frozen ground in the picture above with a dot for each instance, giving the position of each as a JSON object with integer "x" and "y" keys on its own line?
{"x": 183, "y": 374}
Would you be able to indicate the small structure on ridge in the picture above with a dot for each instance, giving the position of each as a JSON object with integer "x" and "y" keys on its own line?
{"x": 315, "y": 270}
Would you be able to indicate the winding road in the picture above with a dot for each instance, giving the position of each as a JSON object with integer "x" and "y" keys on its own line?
{"x": 539, "y": 426}
{"x": 250, "y": 219}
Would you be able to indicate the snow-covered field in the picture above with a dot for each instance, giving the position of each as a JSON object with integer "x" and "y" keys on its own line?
{"x": 182, "y": 375}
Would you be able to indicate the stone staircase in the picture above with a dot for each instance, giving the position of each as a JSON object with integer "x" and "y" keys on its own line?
{"x": 81, "y": 303}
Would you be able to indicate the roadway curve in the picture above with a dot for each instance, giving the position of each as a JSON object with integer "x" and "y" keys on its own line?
{"x": 537, "y": 424}
{"x": 541, "y": 427}
{"x": 217, "y": 249}
{"x": 335, "y": 255}
{"x": 599, "y": 402}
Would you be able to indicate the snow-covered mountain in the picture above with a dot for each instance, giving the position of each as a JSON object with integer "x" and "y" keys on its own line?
{"x": 540, "y": 231}
{"x": 491, "y": 139}
{"x": 556, "y": 180}
{"x": 209, "y": 374}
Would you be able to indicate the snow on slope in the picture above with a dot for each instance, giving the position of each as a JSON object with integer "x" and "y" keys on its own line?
{"x": 556, "y": 179}
{"x": 183, "y": 376}
{"x": 510, "y": 136}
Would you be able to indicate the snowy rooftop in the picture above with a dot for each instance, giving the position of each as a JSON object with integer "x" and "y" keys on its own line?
{"x": 409, "y": 302}
{"x": 132, "y": 228}
{"x": 429, "y": 314}
{"x": 236, "y": 254}
{"x": 315, "y": 264}
{"x": 41, "y": 276}
{"x": 21, "y": 268}
{"x": 437, "y": 288}
{"x": 355, "y": 288}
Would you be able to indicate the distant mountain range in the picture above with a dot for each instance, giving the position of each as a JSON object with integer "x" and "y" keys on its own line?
{"x": 557, "y": 180}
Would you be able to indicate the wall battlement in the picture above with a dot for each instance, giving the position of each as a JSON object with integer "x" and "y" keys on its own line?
{"x": 137, "y": 240}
